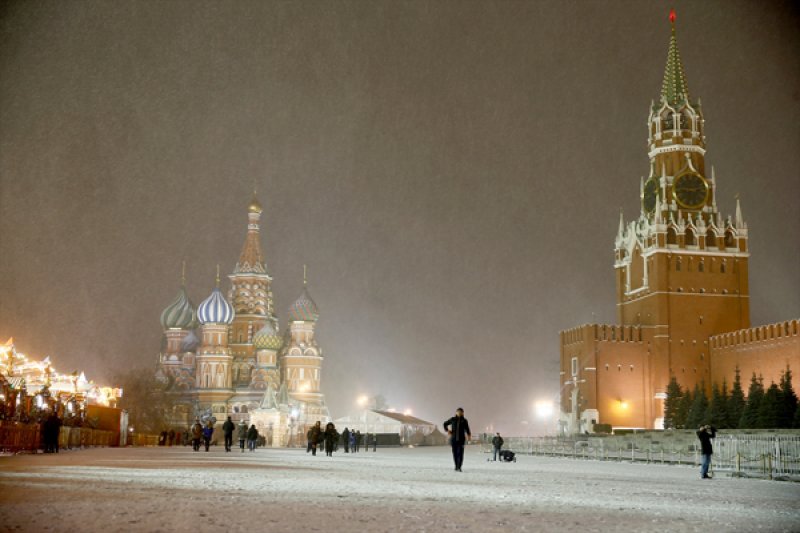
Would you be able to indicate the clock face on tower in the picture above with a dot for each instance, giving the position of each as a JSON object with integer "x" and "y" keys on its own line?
{"x": 650, "y": 195}
{"x": 690, "y": 190}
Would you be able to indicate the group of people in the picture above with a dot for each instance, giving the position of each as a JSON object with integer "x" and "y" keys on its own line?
{"x": 203, "y": 434}
{"x": 329, "y": 439}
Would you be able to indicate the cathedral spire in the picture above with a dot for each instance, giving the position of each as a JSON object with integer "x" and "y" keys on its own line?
{"x": 251, "y": 260}
{"x": 674, "y": 88}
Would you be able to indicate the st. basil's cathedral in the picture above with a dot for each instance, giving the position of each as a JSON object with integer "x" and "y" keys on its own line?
{"x": 240, "y": 364}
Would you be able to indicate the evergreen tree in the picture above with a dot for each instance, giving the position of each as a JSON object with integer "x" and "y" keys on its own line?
{"x": 796, "y": 424}
{"x": 697, "y": 413}
{"x": 789, "y": 400}
{"x": 717, "y": 413}
{"x": 770, "y": 408}
{"x": 671, "y": 404}
{"x": 736, "y": 402}
{"x": 684, "y": 406}
{"x": 754, "y": 396}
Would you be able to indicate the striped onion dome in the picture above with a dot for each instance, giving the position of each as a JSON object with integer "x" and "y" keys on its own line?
{"x": 267, "y": 338}
{"x": 190, "y": 342}
{"x": 215, "y": 309}
{"x": 304, "y": 309}
{"x": 179, "y": 314}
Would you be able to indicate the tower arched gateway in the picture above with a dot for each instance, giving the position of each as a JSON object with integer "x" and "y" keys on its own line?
{"x": 681, "y": 271}
{"x": 238, "y": 366}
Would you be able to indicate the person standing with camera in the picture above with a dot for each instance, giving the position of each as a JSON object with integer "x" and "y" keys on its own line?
{"x": 705, "y": 434}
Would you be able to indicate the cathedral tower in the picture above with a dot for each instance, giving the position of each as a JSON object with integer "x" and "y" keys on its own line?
{"x": 251, "y": 297}
{"x": 301, "y": 363}
{"x": 213, "y": 362}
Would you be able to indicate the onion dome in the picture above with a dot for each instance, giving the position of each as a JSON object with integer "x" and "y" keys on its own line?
{"x": 179, "y": 314}
{"x": 304, "y": 309}
{"x": 190, "y": 342}
{"x": 267, "y": 338}
{"x": 215, "y": 309}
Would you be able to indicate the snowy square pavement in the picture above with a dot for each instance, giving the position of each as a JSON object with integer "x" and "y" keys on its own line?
{"x": 175, "y": 489}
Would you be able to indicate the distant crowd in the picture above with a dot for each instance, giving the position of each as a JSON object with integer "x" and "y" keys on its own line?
{"x": 329, "y": 440}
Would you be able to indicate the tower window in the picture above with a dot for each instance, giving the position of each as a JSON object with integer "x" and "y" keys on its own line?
{"x": 574, "y": 366}
{"x": 722, "y": 267}
{"x": 690, "y": 238}
{"x": 678, "y": 264}
{"x": 730, "y": 241}
{"x": 672, "y": 236}
{"x": 701, "y": 267}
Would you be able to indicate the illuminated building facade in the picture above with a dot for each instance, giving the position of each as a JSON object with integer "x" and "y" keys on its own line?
{"x": 682, "y": 293}
{"x": 240, "y": 365}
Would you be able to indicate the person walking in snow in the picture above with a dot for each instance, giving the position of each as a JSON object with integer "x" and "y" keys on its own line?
{"x": 208, "y": 431}
{"x": 458, "y": 429}
{"x": 252, "y": 438}
{"x": 497, "y": 445}
{"x": 308, "y": 440}
{"x": 315, "y": 435}
{"x": 346, "y": 439}
{"x": 197, "y": 434}
{"x": 705, "y": 434}
{"x": 331, "y": 436}
{"x": 353, "y": 441}
{"x": 241, "y": 434}
{"x": 227, "y": 430}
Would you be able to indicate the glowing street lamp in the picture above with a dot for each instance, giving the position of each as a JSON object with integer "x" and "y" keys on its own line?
{"x": 362, "y": 401}
{"x": 544, "y": 409}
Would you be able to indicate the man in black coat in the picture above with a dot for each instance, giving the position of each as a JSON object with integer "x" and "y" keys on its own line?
{"x": 705, "y": 434}
{"x": 458, "y": 429}
{"x": 346, "y": 437}
{"x": 497, "y": 445}
{"x": 227, "y": 429}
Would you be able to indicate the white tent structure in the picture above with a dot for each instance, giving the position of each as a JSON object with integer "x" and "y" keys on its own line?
{"x": 412, "y": 430}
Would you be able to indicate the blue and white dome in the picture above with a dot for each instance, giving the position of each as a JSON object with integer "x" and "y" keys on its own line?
{"x": 179, "y": 314}
{"x": 304, "y": 309}
{"x": 215, "y": 309}
{"x": 267, "y": 338}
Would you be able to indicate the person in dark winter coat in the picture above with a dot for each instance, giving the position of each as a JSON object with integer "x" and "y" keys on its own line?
{"x": 346, "y": 439}
{"x": 497, "y": 445}
{"x": 227, "y": 430}
{"x": 208, "y": 431}
{"x": 308, "y": 441}
{"x": 331, "y": 436}
{"x": 252, "y": 438}
{"x": 353, "y": 441}
{"x": 458, "y": 429}
{"x": 241, "y": 434}
{"x": 315, "y": 436}
{"x": 197, "y": 434}
{"x": 705, "y": 434}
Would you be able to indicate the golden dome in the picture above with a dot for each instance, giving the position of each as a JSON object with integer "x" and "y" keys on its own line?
{"x": 254, "y": 206}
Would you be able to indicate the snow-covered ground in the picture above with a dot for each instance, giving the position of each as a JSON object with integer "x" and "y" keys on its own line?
{"x": 175, "y": 489}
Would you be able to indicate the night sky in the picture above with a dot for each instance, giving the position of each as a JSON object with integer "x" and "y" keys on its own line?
{"x": 450, "y": 172}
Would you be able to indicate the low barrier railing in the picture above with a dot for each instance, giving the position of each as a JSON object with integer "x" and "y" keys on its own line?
{"x": 770, "y": 456}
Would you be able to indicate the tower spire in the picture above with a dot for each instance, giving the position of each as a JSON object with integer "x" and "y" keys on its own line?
{"x": 183, "y": 273}
{"x": 674, "y": 88}
{"x": 305, "y": 276}
{"x": 739, "y": 218}
{"x": 217, "y": 279}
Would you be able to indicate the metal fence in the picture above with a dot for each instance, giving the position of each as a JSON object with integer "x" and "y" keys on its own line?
{"x": 769, "y": 456}
{"x": 15, "y": 438}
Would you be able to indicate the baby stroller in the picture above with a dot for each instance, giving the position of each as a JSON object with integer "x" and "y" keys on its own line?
{"x": 508, "y": 456}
